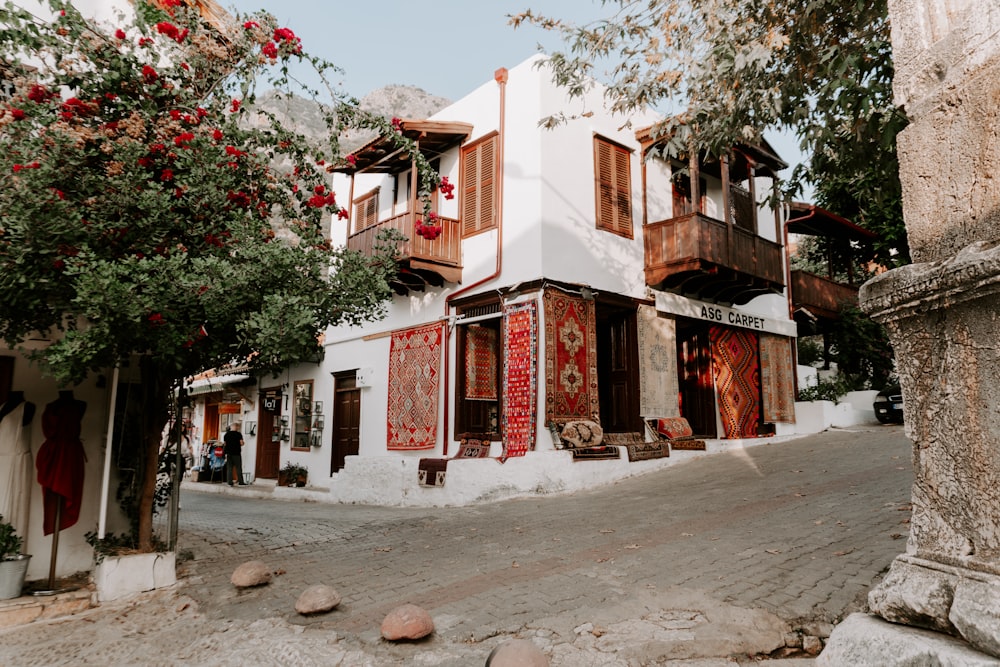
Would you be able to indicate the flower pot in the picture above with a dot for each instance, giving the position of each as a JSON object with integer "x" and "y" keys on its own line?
{"x": 119, "y": 577}
{"x": 12, "y": 571}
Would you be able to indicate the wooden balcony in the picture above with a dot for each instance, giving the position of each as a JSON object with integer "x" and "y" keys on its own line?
{"x": 698, "y": 256}
{"x": 421, "y": 262}
{"x": 821, "y": 296}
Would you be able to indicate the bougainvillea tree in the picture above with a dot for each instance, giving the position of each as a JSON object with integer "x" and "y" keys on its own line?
{"x": 143, "y": 219}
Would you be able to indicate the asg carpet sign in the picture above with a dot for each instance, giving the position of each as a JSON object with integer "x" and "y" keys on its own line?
{"x": 716, "y": 314}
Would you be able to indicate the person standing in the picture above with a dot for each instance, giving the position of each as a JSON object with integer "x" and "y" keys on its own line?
{"x": 233, "y": 449}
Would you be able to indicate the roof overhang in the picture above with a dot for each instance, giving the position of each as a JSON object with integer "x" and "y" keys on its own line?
{"x": 812, "y": 220}
{"x": 762, "y": 155}
{"x": 381, "y": 155}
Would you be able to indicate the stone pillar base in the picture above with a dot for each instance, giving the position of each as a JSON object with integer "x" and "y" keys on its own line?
{"x": 954, "y": 614}
{"x": 866, "y": 641}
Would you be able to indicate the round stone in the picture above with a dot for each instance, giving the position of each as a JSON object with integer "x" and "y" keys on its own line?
{"x": 317, "y": 599}
{"x": 250, "y": 574}
{"x": 407, "y": 622}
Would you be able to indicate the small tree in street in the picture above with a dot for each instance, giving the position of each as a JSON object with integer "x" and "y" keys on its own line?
{"x": 142, "y": 216}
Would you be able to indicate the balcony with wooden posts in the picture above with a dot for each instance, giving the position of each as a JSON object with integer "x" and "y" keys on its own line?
{"x": 699, "y": 256}
{"x": 817, "y": 301}
{"x": 421, "y": 261}
{"x": 722, "y": 260}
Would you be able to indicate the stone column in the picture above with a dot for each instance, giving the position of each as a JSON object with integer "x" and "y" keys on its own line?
{"x": 943, "y": 317}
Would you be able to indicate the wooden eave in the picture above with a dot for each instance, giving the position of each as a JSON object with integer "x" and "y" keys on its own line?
{"x": 762, "y": 156}
{"x": 811, "y": 220}
{"x": 381, "y": 155}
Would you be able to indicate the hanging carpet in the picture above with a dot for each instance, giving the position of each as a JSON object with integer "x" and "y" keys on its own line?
{"x": 570, "y": 358}
{"x": 777, "y": 378}
{"x": 480, "y": 363}
{"x": 414, "y": 362}
{"x": 658, "y": 382}
{"x": 520, "y": 378}
{"x": 431, "y": 472}
{"x": 737, "y": 380}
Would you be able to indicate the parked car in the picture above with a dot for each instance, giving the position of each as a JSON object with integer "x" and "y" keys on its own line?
{"x": 888, "y": 405}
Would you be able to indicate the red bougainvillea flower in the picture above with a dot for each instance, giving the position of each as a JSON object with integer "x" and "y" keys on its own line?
{"x": 149, "y": 74}
{"x": 217, "y": 134}
{"x": 40, "y": 94}
{"x": 397, "y": 124}
{"x": 175, "y": 114}
{"x": 342, "y": 214}
{"x": 270, "y": 50}
{"x": 18, "y": 114}
{"x": 235, "y": 106}
{"x": 168, "y": 29}
{"x": 156, "y": 319}
{"x": 249, "y": 25}
{"x": 167, "y": 175}
{"x": 183, "y": 139}
{"x": 447, "y": 188}
{"x": 352, "y": 160}
{"x": 120, "y": 34}
{"x": 319, "y": 189}
{"x": 201, "y": 111}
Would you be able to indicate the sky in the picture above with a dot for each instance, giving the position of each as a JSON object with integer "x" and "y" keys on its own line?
{"x": 446, "y": 47}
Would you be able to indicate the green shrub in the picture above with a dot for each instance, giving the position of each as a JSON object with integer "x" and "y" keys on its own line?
{"x": 832, "y": 389}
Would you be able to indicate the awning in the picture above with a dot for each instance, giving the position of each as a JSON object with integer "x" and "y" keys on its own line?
{"x": 381, "y": 155}
{"x": 218, "y": 383}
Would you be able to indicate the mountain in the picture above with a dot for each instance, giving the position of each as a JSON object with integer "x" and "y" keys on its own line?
{"x": 304, "y": 115}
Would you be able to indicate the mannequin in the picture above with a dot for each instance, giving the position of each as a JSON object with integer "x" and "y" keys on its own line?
{"x": 61, "y": 461}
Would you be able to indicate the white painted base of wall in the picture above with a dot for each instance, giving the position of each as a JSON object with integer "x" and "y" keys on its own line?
{"x": 855, "y": 409}
{"x": 117, "y": 577}
{"x": 391, "y": 480}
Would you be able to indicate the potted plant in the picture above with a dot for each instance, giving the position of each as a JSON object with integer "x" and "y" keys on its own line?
{"x": 13, "y": 563}
{"x": 292, "y": 474}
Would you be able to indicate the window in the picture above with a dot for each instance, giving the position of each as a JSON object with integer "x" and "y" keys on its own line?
{"x": 682, "y": 194}
{"x": 613, "y": 183}
{"x": 366, "y": 210}
{"x": 302, "y": 414}
{"x": 479, "y": 185}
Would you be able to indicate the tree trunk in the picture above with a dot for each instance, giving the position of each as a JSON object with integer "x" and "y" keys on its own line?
{"x": 155, "y": 412}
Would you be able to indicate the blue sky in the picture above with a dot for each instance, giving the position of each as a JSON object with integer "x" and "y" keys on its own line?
{"x": 446, "y": 47}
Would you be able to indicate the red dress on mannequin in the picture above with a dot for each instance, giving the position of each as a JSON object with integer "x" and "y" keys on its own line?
{"x": 61, "y": 460}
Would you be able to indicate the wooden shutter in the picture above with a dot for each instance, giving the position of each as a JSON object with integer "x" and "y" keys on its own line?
{"x": 366, "y": 210}
{"x": 613, "y": 182}
{"x": 479, "y": 184}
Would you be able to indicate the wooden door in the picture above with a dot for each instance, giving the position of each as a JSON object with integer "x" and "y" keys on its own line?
{"x": 346, "y": 420}
{"x": 268, "y": 441}
{"x": 211, "y": 429}
{"x": 618, "y": 370}
{"x": 697, "y": 384}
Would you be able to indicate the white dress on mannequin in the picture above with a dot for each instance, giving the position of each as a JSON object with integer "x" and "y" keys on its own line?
{"x": 15, "y": 466}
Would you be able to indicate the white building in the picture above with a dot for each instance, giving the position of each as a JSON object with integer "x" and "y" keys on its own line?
{"x": 572, "y": 280}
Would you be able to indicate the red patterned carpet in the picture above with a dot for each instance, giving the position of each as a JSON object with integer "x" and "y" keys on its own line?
{"x": 480, "y": 363}
{"x": 520, "y": 378}
{"x": 737, "y": 380}
{"x": 570, "y": 358}
{"x": 414, "y": 363}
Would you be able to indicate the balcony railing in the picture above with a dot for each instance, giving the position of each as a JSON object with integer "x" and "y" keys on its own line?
{"x": 821, "y": 296}
{"x": 442, "y": 256}
{"x": 699, "y": 247}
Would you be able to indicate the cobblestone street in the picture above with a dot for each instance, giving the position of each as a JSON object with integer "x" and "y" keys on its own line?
{"x": 719, "y": 559}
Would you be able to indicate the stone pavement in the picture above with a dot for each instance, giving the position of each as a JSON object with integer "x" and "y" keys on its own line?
{"x": 724, "y": 560}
